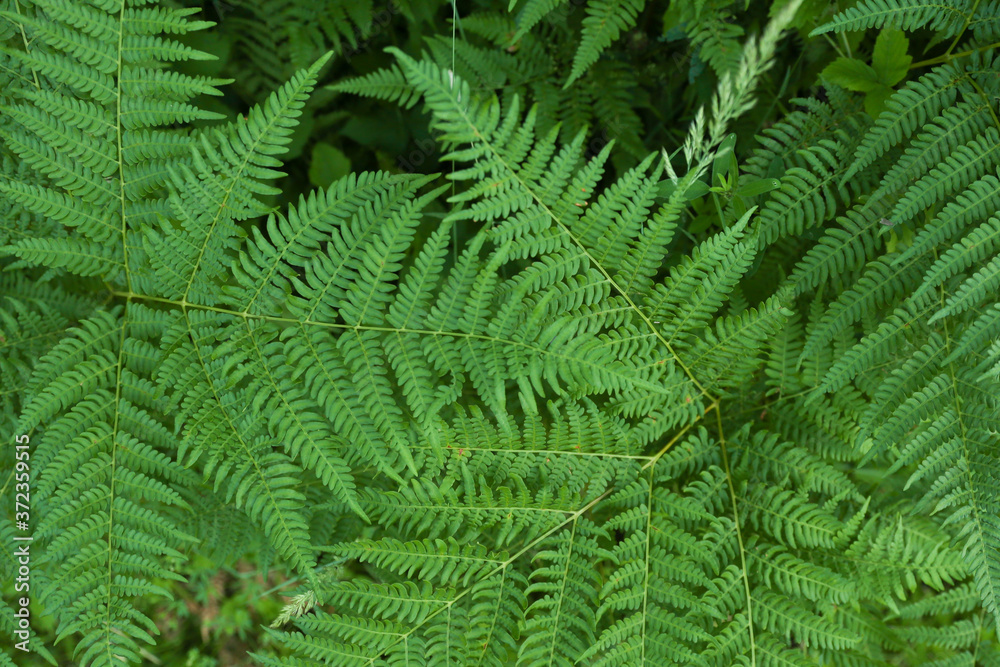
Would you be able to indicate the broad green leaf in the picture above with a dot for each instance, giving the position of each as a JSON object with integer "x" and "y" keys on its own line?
{"x": 875, "y": 100}
{"x": 758, "y": 187}
{"x": 852, "y": 74}
{"x": 327, "y": 165}
{"x": 890, "y": 60}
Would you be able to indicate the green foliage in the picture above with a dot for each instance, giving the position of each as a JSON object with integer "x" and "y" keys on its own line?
{"x": 548, "y": 397}
{"x": 889, "y": 65}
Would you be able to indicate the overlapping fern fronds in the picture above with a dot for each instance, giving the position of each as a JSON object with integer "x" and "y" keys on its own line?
{"x": 557, "y": 441}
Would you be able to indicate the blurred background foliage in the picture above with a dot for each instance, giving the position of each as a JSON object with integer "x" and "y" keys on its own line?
{"x": 641, "y": 93}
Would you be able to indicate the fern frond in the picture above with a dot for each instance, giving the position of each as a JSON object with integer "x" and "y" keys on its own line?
{"x": 506, "y": 414}
{"x": 97, "y": 489}
{"x": 907, "y": 110}
{"x": 905, "y": 14}
{"x": 605, "y": 20}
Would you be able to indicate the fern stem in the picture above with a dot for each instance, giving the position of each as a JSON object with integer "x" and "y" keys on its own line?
{"x": 112, "y": 475}
{"x": 24, "y": 38}
{"x": 975, "y": 521}
{"x": 119, "y": 112}
{"x": 562, "y": 591}
{"x": 550, "y": 452}
{"x": 113, "y": 471}
{"x": 186, "y": 305}
{"x": 680, "y": 434}
{"x": 847, "y": 45}
{"x": 14, "y": 73}
{"x": 502, "y": 567}
{"x": 645, "y": 577}
{"x": 986, "y": 100}
{"x": 947, "y": 58}
{"x": 739, "y": 534}
{"x": 979, "y": 635}
{"x": 454, "y": 227}
{"x": 834, "y": 45}
{"x": 965, "y": 26}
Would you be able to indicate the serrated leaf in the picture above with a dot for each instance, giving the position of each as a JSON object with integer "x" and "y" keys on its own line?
{"x": 852, "y": 74}
{"x": 890, "y": 60}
